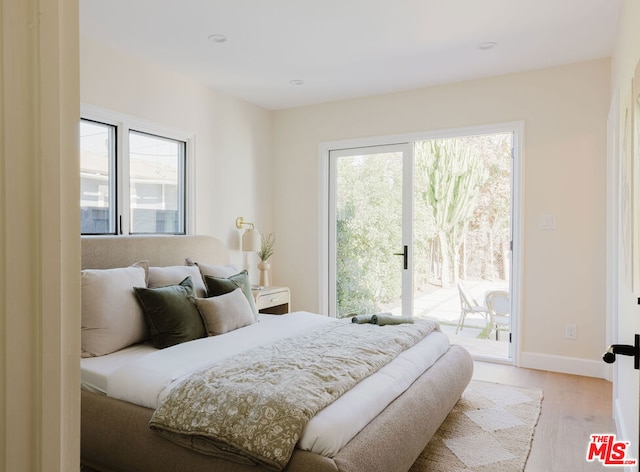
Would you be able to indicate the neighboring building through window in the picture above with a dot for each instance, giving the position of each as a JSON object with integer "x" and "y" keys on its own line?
{"x": 156, "y": 184}
{"x": 133, "y": 180}
{"x": 97, "y": 177}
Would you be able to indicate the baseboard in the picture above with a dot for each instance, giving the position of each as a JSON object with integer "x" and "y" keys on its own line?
{"x": 565, "y": 365}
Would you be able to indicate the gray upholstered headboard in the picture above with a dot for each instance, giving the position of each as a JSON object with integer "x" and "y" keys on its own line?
{"x": 105, "y": 252}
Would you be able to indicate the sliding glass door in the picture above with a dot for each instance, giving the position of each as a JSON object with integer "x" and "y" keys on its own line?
{"x": 424, "y": 229}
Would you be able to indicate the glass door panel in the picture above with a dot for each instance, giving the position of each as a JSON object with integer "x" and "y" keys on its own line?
{"x": 462, "y": 239}
{"x": 370, "y": 251}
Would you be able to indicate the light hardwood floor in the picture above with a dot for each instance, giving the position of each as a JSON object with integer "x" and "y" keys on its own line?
{"x": 573, "y": 408}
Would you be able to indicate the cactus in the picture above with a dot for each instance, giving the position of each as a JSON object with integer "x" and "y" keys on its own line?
{"x": 451, "y": 179}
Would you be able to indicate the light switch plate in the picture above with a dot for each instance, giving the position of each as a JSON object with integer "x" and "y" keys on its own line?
{"x": 547, "y": 222}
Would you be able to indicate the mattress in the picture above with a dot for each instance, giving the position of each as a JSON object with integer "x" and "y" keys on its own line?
{"x": 143, "y": 375}
{"x": 95, "y": 371}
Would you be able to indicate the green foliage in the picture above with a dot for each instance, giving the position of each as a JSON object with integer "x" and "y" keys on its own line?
{"x": 353, "y": 295}
{"x": 369, "y": 231}
{"x": 449, "y": 178}
{"x": 461, "y": 219}
{"x": 267, "y": 242}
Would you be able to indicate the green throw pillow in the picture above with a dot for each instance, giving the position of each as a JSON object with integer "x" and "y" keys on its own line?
{"x": 171, "y": 313}
{"x": 217, "y": 286}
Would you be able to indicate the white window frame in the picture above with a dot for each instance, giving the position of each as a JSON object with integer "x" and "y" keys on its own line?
{"x": 124, "y": 124}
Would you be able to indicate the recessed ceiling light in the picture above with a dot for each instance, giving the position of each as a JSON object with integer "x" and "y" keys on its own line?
{"x": 217, "y": 38}
{"x": 296, "y": 82}
{"x": 487, "y": 45}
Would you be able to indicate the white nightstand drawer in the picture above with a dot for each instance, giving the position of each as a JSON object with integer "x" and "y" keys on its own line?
{"x": 273, "y": 300}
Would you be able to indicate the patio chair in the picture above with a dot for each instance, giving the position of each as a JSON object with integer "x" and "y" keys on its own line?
{"x": 469, "y": 306}
{"x": 499, "y": 307}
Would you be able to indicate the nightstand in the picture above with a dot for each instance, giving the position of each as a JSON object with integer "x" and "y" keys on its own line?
{"x": 273, "y": 300}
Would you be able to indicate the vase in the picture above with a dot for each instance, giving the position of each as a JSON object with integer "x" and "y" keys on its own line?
{"x": 264, "y": 267}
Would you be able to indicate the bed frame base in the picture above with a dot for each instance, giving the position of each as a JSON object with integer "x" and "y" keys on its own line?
{"x": 116, "y": 436}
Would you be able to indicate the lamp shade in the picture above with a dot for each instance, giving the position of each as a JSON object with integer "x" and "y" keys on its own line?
{"x": 251, "y": 240}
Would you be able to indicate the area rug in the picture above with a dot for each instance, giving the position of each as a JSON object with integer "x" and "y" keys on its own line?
{"x": 489, "y": 430}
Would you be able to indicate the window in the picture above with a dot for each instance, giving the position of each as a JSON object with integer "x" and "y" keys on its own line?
{"x": 97, "y": 177}
{"x": 156, "y": 184}
{"x": 133, "y": 178}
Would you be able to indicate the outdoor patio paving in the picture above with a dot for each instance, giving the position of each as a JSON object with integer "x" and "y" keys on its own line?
{"x": 443, "y": 306}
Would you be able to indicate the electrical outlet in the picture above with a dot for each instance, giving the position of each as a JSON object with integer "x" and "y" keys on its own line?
{"x": 570, "y": 331}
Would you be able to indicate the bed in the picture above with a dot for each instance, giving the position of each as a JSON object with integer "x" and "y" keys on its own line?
{"x": 115, "y": 432}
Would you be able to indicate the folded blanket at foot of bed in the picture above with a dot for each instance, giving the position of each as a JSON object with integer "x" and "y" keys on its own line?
{"x": 362, "y": 319}
{"x": 388, "y": 319}
{"x": 382, "y": 319}
{"x": 253, "y": 407}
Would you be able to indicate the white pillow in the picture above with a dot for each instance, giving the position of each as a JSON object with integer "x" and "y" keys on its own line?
{"x": 223, "y": 271}
{"x": 111, "y": 315}
{"x": 225, "y": 313}
{"x": 173, "y": 275}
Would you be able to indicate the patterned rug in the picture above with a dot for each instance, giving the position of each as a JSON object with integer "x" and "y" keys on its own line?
{"x": 489, "y": 430}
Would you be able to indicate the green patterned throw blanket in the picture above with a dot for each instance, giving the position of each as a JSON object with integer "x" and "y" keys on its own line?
{"x": 252, "y": 408}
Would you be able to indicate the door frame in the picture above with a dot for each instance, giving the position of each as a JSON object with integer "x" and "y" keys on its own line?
{"x": 517, "y": 210}
{"x": 612, "y": 233}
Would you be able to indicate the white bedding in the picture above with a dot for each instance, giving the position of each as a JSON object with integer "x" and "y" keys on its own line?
{"x": 144, "y": 375}
{"x": 95, "y": 371}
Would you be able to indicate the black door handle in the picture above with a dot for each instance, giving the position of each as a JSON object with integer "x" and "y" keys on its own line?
{"x": 626, "y": 350}
{"x": 405, "y": 253}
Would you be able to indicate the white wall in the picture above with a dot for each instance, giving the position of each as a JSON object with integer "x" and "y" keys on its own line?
{"x": 626, "y": 393}
{"x": 233, "y": 137}
{"x": 565, "y": 114}
{"x": 264, "y": 166}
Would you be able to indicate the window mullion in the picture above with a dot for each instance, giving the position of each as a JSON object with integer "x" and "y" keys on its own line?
{"x": 190, "y": 186}
{"x": 182, "y": 194}
{"x": 123, "y": 179}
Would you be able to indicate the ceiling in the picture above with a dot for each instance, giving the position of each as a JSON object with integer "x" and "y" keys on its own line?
{"x": 349, "y": 48}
